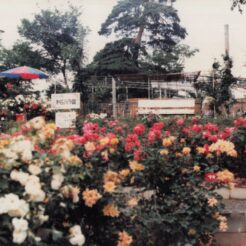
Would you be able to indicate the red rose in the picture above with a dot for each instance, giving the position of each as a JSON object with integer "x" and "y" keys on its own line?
{"x": 196, "y": 128}
{"x": 210, "y": 177}
{"x": 194, "y": 120}
{"x": 158, "y": 126}
{"x": 139, "y": 129}
{"x": 26, "y": 106}
{"x": 180, "y": 121}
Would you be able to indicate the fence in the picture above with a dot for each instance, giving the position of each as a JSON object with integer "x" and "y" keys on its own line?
{"x": 123, "y": 109}
{"x": 129, "y": 108}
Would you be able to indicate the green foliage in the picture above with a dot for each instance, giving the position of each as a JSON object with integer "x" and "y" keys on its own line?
{"x": 65, "y": 181}
{"x": 159, "y": 20}
{"x": 10, "y": 88}
{"x": 115, "y": 58}
{"x": 238, "y": 166}
{"x": 22, "y": 54}
{"x": 58, "y": 88}
{"x": 58, "y": 37}
{"x": 150, "y": 34}
{"x": 218, "y": 85}
{"x": 169, "y": 61}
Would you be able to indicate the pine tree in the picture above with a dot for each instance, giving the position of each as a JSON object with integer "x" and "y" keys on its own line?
{"x": 146, "y": 28}
{"x": 115, "y": 58}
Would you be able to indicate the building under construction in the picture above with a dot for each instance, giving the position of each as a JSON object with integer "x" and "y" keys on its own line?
{"x": 122, "y": 92}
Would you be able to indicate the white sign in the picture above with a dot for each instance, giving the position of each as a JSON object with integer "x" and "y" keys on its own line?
{"x": 166, "y": 106}
{"x": 65, "y": 101}
{"x": 65, "y": 119}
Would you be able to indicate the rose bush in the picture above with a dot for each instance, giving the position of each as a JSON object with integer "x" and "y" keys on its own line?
{"x": 29, "y": 105}
{"x": 115, "y": 185}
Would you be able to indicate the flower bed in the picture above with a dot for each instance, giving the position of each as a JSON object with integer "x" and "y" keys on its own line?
{"x": 28, "y": 105}
{"x": 116, "y": 185}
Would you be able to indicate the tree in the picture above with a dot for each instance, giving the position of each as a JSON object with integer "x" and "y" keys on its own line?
{"x": 170, "y": 61}
{"x": 58, "y": 37}
{"x": 238, "y": 3}
{"x": 22, "y": 54}
{"x": 153, "y": 27}
{"x": 115, "y": 58}
{"x": 218, "y": 85}
{"x": 58, "y": 88}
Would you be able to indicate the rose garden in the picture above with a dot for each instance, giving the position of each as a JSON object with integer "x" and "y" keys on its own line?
{"x": 108, "y": 183}
{"x": 126, "y": 149}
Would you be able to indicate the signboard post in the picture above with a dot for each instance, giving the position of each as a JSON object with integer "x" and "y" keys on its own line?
{"x": 65, "y": 101}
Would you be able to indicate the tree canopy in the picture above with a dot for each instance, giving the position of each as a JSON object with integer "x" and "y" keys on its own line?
{"x": 115, "y": 58}
{"x": 149, "y": 33}
{"x": 53, "y": 40}
{"x": 238, "y": 3}
{"x": 218, "y": 85}
{"x": 159, "y": 21}
{"x": 22, "y": 54}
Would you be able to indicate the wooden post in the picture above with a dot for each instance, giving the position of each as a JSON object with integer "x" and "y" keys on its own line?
{"x": 148, "y": 88}
{"x": 126, "y": 93}
{"x": 114, "y": 98}
{"x": 55, "y": 86}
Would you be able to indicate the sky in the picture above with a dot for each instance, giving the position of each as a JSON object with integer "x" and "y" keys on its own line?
{"x": 204, "y": 21}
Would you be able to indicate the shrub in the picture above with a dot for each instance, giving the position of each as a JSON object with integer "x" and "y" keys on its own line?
{"x": 113, "y": 184}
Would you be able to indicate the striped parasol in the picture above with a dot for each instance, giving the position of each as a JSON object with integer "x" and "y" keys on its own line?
{"x": 24, "y": 72}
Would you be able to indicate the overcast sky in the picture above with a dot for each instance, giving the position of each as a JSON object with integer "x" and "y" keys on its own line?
{"x": 203, "y": 19}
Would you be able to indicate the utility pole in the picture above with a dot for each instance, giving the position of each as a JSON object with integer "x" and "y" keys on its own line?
{"x": 227, "y": 40}
{"x": 114, "y": 97}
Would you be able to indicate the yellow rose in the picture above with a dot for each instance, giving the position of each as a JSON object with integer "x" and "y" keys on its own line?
{"x": 114, "y": 141}
{"x": 166, "y": 142}
{"x": 90, "y": 147}
{"x": 164, "y": 152}
{"x": 196, "y": 168}
{"x": 186, "y": 150}
{"x": 104, "y": 141}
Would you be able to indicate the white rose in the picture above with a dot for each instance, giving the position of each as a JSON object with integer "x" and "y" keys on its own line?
{"x": 26, "y": 155}
{"x": 65, "y": 154}
{"x": 22, "y": 147}
{"x": 20, "y": 177}
{"x": 76, "y": 236}
{"x": 33, "y": 181}
{"x": 20, "y": 230}
{"x": 43, "y": 218}
{"x": 20, "y": 98}
{"x": 20, "y": 224}
{"x": 10, "y": 155}
{"x": 19, "y": 237}
{"x": 103, "y": 116}
{"x": 3, "y": 205}
{"x": 56, "y": 181}
{"x": 18, "y": 209}
{"x": 34, "y": 169}
{"x": 37, "y": 196}
{"x": 75, "y": 230}
{"x": 77, "y": 240}
{"x": 33, "y": 189}
{"x": 15, "y": 207}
